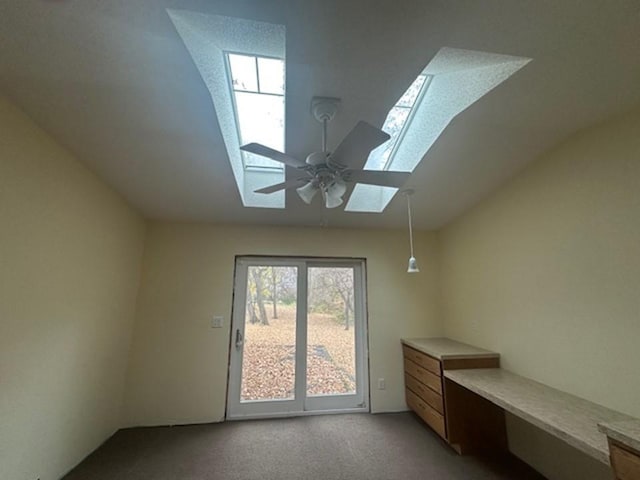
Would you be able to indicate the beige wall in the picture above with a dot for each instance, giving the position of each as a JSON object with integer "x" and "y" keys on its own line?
{"x": 70, "y": 253}
{"x": 178, "y": 370}
{"x": 547, "y": 272}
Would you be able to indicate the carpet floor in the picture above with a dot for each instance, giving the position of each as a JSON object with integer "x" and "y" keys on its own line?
{"x": 330, "y": 447}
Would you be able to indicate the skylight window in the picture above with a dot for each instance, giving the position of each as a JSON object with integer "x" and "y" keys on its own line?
{"x": 257, "y": 84}
{"x": 242, "y": 63}
{"x": 452, "y": 81}
{"x": 396, "y": 123}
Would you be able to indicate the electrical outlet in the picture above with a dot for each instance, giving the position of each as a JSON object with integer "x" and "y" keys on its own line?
{"x": 217, "y": 321}
{"x": 382, "y": 385}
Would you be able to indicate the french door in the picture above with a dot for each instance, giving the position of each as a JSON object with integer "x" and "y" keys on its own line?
{"x": 299, "y": 342}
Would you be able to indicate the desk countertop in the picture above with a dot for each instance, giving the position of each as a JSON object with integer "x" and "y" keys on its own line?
{"x": 626, "y": 432}
{"x": 447, "y": 349}
{"x": 570, "y": 418}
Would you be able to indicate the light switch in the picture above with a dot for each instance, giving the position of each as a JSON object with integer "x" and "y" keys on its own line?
{"x": 217, "y": 321}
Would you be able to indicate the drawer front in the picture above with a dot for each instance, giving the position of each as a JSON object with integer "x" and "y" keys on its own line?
{"x": 425, "y": 393}
{"x": 426, "y": 377}
{"x": 424, "y": 411}
{"x": 425, "y": 361}
{"x": 625, "y": 464}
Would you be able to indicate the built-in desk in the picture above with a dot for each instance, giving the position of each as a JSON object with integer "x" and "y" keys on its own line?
{"x": 561, "y": 414}
{"x": 460, "y": 391}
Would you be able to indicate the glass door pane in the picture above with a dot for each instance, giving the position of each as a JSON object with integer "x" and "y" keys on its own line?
{"x": 331, "y": 340}
{"x": 269, "y": 348}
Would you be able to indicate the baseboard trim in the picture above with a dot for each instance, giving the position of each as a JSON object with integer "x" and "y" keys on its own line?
{"x": 296, "y": 414}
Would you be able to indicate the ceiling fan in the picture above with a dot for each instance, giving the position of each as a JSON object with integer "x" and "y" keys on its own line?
{"x": 329, "y": 173}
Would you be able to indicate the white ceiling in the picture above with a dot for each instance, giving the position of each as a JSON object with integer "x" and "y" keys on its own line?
{"x": 113, "y": 82}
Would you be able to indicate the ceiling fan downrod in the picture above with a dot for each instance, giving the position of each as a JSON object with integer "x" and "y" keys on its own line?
{"x": 324, "y": 109}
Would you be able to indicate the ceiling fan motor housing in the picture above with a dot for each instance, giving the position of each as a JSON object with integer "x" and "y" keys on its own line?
{"x": 317, "y": 158}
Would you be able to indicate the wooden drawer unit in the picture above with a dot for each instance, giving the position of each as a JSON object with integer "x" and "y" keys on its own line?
{"x": 626, "y": 464}
{"x": 423, "y": 383}
{"x": 425, "y": 393}
{"x": 434, "y": 419}
{"x": 429, "y": 379}
{"x": 422, "y": 360}
{"x": 425, "y": 360}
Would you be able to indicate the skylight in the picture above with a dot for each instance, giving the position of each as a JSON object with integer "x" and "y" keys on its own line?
{"x": 257, "y": 84}
{"x": 242, "y": 64}
{"x": 396, "y": 123}
{"x": 452, "y": 81}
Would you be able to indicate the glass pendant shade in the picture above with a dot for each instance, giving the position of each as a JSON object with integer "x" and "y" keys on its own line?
{"x": 337, "y": 189}
{"x": 413, "y": 266}
{"x": 307, "y": 192}
{"x": 332, "y": 202}
{"x": 333, "y": 197}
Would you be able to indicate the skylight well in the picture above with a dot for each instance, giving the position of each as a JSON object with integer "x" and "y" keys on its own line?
{"x": 257, "y": 84}
{"x": 396, "y": 123}
{"x": 242, "y": 63}
{"x": 452, "y": 81}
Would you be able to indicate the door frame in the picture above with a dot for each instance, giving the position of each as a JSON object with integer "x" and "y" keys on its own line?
{"x": 301, "y": 405}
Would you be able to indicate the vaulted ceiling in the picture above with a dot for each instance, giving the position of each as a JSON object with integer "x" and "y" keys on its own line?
{"x": 113, "y": 82}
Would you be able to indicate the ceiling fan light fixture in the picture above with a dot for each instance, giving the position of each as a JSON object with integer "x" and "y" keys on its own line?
{"x": 327, "y": 172}
{"x": 331, "y": 201}
{"x": 307, "y": 192}
{"x": 333, "y": 194}
{"x": 337, "y": 189}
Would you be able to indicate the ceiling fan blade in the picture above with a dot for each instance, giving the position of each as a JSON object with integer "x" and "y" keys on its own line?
{"x": 357, "y": 145}
{"x": 281, "y": 186}
{"x": 381, "y": 178}
{"x": 264, "y": 151}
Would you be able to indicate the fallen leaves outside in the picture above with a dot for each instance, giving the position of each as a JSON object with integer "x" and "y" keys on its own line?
{"x": 268, "y": 367}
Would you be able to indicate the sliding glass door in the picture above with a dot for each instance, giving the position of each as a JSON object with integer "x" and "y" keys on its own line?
{"x": 298, "y": 338}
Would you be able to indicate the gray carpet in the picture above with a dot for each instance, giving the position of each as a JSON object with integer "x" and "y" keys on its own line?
{"x": 349, "y": 447}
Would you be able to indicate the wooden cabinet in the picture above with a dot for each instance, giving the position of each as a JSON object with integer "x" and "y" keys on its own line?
{"x": 424, "y": 381}
{"x": 625, "y": 462}
{"x": 423, "y": 386}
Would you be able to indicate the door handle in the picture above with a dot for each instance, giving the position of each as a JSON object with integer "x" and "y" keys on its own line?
{"x": 239, "y": 339}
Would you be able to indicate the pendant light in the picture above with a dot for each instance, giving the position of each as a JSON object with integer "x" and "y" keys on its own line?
{"x": 413, "y": 264}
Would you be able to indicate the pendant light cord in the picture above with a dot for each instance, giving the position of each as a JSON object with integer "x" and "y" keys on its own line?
{"x": 410, "y": 228}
